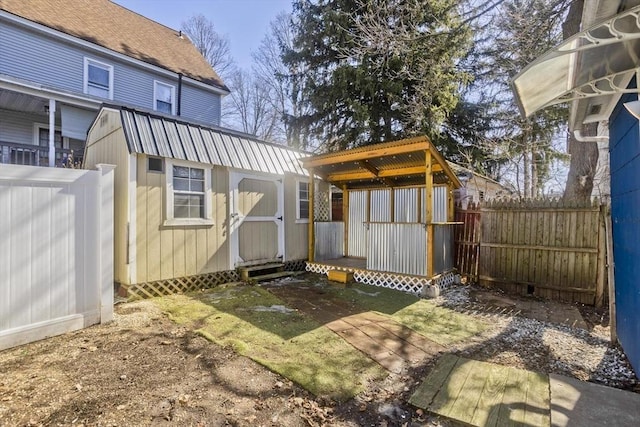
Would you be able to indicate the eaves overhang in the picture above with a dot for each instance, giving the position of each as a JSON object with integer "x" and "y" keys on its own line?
{"x": 597, "y": 62}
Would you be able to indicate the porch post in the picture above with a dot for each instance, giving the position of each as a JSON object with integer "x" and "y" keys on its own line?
{"x": 345, "y": 218}
{"x": 450, "y": 213}
{"x": 52, "y": 132}
{"x": 312, "y": 199}
{"x": 428, "y": 200}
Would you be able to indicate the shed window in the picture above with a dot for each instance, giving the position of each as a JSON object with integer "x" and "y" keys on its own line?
{"x": 98, "y": 78}
{"x": 303, "y": 200}
{"x": 188, "y": 192}
{"x": 163, "y": 95}
{"x": 155, "y": 164}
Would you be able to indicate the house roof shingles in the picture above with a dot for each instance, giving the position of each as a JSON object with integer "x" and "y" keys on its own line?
{"x": 117, "y": 28}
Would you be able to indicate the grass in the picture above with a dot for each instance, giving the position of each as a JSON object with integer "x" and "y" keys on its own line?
{"x": 257, "y": 325}
{"x": 439, "y": 324}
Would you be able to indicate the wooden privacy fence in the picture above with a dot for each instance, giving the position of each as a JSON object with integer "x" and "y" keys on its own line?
{"x": 548, "y": 248}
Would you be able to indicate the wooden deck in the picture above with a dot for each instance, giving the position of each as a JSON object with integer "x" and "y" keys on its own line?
{"x": 484, "y": 394}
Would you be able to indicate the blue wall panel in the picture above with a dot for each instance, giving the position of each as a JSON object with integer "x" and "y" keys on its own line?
{"x": 624, "y": 147}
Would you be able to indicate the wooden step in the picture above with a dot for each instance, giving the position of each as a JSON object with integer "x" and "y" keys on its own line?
{"x": 271, "y": 276}
{"x": 250, "y": 272}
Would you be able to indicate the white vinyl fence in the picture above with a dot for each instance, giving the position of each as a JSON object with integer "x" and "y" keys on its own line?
{"x": 56, "y": 251}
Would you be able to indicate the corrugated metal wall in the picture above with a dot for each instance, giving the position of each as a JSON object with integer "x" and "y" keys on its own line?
{"x": 443, "y": 257}
{"x": 399, "y": 248}
{"x": 379, "y": 206}
{"x": 406, "y": 205}
{"x": 440, "y": 204}
{"x": 357, "y": 228}
{"x": 329, "y": 240}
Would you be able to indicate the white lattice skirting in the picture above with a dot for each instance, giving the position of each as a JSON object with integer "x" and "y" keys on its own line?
{"x": 412, "y": 284}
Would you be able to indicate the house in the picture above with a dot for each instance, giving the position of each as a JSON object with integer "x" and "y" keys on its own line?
{"x": 60, "y": 60}
{"x": 195, "y": 202}
{"x": 596, "y": 70}
{"x": 476, "y": 187}
{"x": 396, "y": 229}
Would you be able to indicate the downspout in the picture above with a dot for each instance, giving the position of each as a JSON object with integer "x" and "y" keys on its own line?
{"x": 178, "y": 105}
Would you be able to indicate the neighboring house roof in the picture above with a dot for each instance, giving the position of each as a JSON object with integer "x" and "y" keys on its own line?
{"x": 163, "y": 136}
{"x": 114, "y": 27}
{"x": 461, "y": 169}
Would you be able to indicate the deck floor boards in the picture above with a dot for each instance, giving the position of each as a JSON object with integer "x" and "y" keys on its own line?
{"x": 484, "y": 394}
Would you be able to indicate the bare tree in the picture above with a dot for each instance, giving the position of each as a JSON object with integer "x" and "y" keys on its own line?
{"x": 285, "y": 83}
{"x": 214, "y": 47}
{"x": 250, "y": 107}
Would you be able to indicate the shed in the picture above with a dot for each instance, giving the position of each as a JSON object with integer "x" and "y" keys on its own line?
{"x": 396, "y": 228}
{"x": 193, "y": 203}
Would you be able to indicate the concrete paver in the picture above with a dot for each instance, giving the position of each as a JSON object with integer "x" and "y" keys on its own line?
{"x": 578, "y": 403}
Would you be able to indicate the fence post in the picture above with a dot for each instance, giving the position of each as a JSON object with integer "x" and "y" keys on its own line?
{"x": 105, "y": 222}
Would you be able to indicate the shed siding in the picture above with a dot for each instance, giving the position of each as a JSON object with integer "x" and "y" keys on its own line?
{"x": 164, "y": 252}
{"x": 295, "y": 234}
{"x": 32, "y": 56}
{"x": 106, "y": 144}
{"x": 624, "y": 148}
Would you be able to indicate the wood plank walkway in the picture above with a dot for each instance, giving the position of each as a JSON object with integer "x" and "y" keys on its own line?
{"x": 484, "y": 394}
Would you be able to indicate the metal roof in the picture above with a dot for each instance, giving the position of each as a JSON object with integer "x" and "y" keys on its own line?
{"x": 595, "y": 64}
{"x": 389, "y": 164}
{"x": 163, "y": 136}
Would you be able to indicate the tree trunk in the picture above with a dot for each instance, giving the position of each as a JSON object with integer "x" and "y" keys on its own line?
{"x": 584, "y": 155}
{"x": 582, "y": 169}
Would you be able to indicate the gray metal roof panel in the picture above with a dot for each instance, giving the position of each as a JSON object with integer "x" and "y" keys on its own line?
{"x": 175, "y": 144}
{"x": 131, "y": 133}
{"x": 187, "y": 142}
{"x": 162, "y": 142}
{"x": 153, "y": 134}
{"x": 198, "y": 144}
{"x": 210, "y": 146}
{"x": 146, "y": 135}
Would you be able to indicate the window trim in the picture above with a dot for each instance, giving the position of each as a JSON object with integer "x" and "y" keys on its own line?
{"x": 298, "y": 200}
{"x": 157, "y": 83}
{"x": 170, "y": 220}
{"x": 108, "y": 67}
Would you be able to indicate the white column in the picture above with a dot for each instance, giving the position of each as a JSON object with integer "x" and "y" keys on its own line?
{"x": 52, "y": 133}
{"x": 106, "y": 261}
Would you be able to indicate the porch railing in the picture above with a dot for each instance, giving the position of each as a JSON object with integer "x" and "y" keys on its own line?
{"x": 33, "y": 155}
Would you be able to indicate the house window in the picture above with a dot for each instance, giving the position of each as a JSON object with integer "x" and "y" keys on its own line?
{"x": 302, "y": 200}
{"x": 98, "y": 78}
{"x": 163, "y": 97}
{"x": 188, "y": 194}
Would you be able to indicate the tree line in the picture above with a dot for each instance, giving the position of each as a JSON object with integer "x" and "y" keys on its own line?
{"x": 338, "y": 74}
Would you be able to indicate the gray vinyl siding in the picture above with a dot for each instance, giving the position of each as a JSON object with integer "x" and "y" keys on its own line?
{"x": 17, "y": 128}
{"x": 29, "y": 55}
{"x": 199, "y": 105}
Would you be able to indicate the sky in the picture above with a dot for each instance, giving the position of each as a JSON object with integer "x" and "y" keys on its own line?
{"x": 244, "y": 22}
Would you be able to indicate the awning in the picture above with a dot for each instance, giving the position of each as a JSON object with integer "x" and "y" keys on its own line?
{"x": 76, "y": 121}
{"x": 596, "y": 62}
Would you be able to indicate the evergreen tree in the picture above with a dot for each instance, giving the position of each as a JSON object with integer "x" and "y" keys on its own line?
{"x": 376, "y": 70}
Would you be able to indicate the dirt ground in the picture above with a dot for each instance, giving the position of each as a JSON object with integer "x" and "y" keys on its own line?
{"x": 143, "y": 369}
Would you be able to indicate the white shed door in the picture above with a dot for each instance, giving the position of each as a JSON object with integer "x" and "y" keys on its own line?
{"x": 256, "y": 222}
